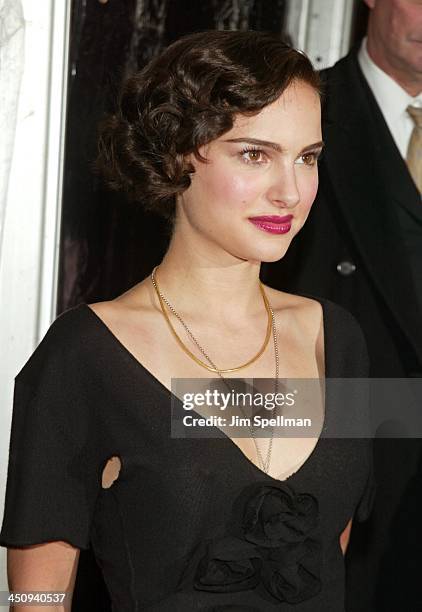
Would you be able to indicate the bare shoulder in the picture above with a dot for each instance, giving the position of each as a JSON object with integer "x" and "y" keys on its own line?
{"x": 302, "y": 319}
{"x": 299, "y": 310}
{"x": 133, "y": 308}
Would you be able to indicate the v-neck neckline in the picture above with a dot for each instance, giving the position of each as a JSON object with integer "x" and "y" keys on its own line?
{"x": 172, "y": 397}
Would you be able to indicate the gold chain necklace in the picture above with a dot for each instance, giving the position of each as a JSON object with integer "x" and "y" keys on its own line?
{"x": 163, "y": 300}
{"x": 185, "y": 348}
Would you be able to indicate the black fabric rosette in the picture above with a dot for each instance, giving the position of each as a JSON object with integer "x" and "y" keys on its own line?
{"x": 271, "y": 545}
{"x": 229, "y": 564}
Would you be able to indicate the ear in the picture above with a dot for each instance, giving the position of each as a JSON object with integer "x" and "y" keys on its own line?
{"x": 188, "y": 163}
{"x": 370, "y": 3}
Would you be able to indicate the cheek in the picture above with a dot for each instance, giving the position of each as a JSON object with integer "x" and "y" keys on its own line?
{"x": 412, "y": 28}
{"x": 399, "y": 25}
{"x": 308, "y": 190}
{"x": 230, "y": 189}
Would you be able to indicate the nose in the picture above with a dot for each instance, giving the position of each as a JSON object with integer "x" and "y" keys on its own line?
{"x": 283, "y": 191}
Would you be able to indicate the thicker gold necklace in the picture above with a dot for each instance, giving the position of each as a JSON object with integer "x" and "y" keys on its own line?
{"x": 163, "y": 301}
{"x": 264, "y": 462}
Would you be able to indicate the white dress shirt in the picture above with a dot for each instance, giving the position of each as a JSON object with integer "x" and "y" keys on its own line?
{"x": 392, "y": 100}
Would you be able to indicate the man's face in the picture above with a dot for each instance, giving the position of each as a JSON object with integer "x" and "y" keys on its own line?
{"x": 396, "y": 26}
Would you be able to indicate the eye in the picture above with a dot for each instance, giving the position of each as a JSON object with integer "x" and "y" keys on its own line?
{"x": 310, "y": 158}
{"x": 252, "y": 155}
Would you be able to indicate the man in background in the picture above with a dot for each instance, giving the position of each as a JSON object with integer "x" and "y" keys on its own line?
{"x": 362, "y": 248}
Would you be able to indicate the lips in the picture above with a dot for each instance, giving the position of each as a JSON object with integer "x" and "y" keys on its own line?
{"x": 273, "y": 224}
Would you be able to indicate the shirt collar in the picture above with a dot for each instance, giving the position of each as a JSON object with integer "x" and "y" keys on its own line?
{"x": 391, "y": 98}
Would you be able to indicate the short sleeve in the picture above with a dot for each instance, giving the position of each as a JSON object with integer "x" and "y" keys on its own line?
{"x": 55, "y": 454}
{"x": 358, "y": 366}
{"x": 366, "y": 502}
{"x": 351, "y": 361}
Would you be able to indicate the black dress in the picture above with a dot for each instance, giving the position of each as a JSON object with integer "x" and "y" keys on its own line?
{"x": 190, "y": 524}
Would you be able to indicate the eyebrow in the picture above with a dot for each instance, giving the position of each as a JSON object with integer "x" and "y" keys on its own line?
{"x": 274, "y": 145}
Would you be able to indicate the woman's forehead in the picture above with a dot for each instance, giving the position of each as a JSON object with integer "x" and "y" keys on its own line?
{"x": 295, "y": 110}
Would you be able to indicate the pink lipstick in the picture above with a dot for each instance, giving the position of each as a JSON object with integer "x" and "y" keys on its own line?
{"x": 273, "y": 224}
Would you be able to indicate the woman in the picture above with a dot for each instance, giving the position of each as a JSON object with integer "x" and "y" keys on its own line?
{"x": 221, "y": 134}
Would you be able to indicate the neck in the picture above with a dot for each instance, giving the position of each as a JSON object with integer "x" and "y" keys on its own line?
{"x": 225, "y": 289}
{"x": 410, "y": 82}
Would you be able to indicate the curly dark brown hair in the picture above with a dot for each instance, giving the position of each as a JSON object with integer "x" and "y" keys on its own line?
{"x": 185, "y": 98}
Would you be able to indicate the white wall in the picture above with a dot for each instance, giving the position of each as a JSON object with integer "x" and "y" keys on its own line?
{"x": 29, "y": 253}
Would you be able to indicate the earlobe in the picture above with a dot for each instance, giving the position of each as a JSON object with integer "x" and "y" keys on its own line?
{"x": 188, "y": 163}
{"x": 370, "y": 3}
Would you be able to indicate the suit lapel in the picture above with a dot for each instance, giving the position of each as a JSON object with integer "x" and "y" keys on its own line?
{"x": 360, "y": 159}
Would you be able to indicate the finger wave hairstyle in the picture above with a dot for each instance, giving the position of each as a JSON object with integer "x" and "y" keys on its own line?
{"x": 183, "y": 99}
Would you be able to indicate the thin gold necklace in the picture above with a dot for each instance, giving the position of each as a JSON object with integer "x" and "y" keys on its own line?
{"x": 162, "y": 299}
{"x": 185, "y": 348}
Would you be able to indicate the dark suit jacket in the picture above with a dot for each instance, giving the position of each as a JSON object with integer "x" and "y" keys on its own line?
{"x": 351, "y": 251}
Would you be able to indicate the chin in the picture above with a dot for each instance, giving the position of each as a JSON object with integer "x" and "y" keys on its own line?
{"x": 270, "y": 255}
{"x": 276, "y": 257}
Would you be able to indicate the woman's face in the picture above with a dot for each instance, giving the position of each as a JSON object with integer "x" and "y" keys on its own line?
{"x": 255, "y": 191}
